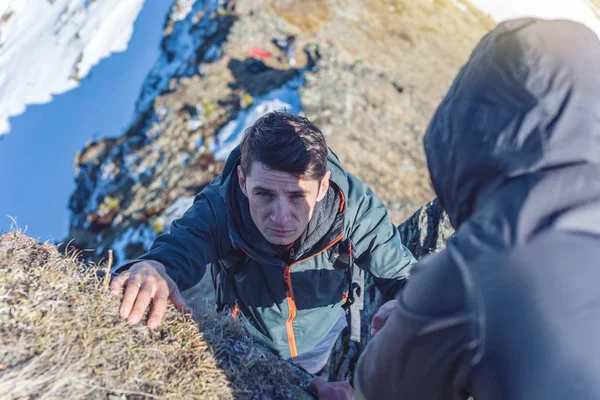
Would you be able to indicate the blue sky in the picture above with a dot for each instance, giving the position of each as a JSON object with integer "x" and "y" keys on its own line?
{"x": 36, "y": 157}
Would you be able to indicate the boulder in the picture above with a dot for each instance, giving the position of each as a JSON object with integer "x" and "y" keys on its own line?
{"x": 423, "y": 233}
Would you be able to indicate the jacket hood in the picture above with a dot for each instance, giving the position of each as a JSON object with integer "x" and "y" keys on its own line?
{"x": 525, "y": 104}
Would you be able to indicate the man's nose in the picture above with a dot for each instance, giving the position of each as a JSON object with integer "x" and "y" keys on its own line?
{"x": 281, "y": 214}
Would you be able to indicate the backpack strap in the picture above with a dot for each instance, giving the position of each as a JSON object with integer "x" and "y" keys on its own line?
{"x": 230, "y": 260}
{"x": 232, "y": 263}
{"x": 355, "y": 301}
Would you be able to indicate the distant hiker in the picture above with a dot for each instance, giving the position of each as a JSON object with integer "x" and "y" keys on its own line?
{"x": 510, "y": 310}
{"x": 287, "y": 235}
{"x": 288, "y": 47}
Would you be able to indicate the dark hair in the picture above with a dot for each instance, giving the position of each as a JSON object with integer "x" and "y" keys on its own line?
{"x": 285, "y": 142}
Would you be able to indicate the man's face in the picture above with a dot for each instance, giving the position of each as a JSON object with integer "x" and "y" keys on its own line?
{"x": 281, "y": 204}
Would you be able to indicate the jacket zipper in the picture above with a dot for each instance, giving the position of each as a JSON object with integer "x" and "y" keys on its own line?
{"x": 289, "y": 289}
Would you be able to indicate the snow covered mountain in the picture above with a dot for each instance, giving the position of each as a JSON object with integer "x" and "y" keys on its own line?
{"x": 48, "y": 46}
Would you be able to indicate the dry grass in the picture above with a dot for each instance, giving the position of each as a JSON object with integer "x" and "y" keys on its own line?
{"x": 306, "y": 15}
{"x": 61, "y": 337}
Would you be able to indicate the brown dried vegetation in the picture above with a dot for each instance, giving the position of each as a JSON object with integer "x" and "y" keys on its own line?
{"x": 61, "y": 337}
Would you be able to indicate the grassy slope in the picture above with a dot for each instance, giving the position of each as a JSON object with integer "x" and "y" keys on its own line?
{"x": 61, "y": 337}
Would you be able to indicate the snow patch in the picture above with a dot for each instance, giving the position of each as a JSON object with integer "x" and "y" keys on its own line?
{"x": 100, "y": 189}
{"x": 174, "y": 211}
{"x": 286, "y": 98}
{"x": 181, "y": 9}
{"x": 47, "y": 47}
{"x": 194, "y": 124}
{"x": 582, "y": 11}
{"x": 141, "y": 234}
{"x": 177, "y": 209}
{"x": 460, "y": 5}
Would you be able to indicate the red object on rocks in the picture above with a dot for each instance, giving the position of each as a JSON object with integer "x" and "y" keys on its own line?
{"x": 258, "y": 53}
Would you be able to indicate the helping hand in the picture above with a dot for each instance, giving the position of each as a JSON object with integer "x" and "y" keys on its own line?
{"x": 332, "y": 390}
{"x": 382, "y": 316}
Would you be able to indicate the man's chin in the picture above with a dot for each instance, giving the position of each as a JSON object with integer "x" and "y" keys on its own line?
{"x": 279, "y": 241}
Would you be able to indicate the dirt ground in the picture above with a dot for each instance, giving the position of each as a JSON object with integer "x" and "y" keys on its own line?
{"x": 420, "y": 43}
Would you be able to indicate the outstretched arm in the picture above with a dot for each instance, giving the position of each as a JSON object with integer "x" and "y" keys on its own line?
{"x": 176, "y": 261}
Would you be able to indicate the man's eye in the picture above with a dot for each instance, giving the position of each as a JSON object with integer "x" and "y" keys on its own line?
{"x": 297, "y": 196}
{"x": 264, "y": 194}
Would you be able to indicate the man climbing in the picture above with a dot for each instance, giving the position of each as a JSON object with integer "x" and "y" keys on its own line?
{"x": 281, "y": 230}
{"x": 510, "y": 309}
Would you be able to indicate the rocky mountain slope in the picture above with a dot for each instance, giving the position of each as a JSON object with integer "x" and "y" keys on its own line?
{"x": 370, "y": 73}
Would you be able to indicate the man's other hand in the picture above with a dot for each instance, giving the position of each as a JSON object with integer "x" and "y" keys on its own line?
{"x": 144, "y": 283}
{"x": 332, "y": 390}
{"x": 382, "y": 316}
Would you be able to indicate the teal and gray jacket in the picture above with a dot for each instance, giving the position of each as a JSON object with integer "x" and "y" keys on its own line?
{"x": 290, "y": 304}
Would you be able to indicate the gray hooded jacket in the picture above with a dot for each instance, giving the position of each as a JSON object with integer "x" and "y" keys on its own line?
{"x": 511, "y": 309}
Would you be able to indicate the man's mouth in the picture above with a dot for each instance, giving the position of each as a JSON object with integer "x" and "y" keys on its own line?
{"x": 280, "y": 232}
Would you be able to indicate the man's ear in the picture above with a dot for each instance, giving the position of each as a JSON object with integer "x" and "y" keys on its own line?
{"x": 242, "y": 180}
{"x": 324, "y": 186}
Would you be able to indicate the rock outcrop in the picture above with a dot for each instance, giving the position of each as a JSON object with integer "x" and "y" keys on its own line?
{"x": 427, "y": 230}
{"x": 424, "y": 233}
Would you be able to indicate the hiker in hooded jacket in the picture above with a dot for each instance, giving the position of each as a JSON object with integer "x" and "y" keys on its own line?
{"x": 509, "y": 310}
{"x": 286, "y": 233}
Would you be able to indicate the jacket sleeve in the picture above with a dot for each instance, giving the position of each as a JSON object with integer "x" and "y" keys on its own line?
{"x": 189, "y": 245}
{"x": 376, "y": 242}
{"x": 425, "y": 348}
